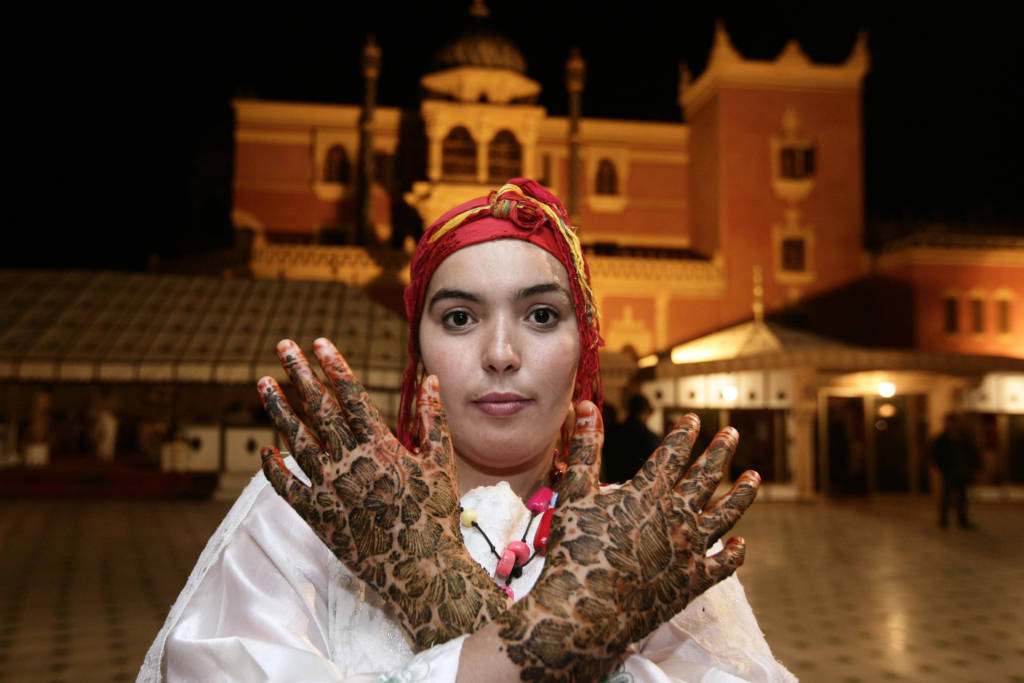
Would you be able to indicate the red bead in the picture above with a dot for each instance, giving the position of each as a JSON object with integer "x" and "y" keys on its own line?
{"x": 538, "y": 502}
{"x": 508, "y": 592}
{"x": 521, "y": 550}
{"x": 506, "y": 564}
{"x": 540, "y": 540}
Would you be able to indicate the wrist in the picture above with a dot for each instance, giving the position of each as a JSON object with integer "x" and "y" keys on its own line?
{"x": 443, "y": 596}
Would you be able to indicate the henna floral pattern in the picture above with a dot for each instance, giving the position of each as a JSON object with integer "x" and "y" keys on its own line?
{"x": 623, "y": 561}
{"x": 389, "y": 515}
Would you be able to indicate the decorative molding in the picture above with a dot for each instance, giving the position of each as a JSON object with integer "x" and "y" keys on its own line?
{"x": 243, "y": 220}
{"x": 615, "y": 275}
{"x": 630, "y": 240}
{"x": 939, "y": 256}
{"x": 352, "y": 265}
{"x": 310, "y": 115}
{"x": 471, "y": 83}
{"x": 272, "y": 137}
{"x": 659, "y": 135}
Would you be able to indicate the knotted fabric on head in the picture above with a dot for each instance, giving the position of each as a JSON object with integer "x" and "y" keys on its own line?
{"x": 520, "y": 209}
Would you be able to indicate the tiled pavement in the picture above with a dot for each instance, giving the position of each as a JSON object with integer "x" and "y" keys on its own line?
{"x": 845, "y": 591}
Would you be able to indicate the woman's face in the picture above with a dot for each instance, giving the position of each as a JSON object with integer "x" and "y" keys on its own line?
{"x": 499, "y": 331}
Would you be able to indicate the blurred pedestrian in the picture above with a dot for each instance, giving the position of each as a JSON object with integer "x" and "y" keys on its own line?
{"x": 956, "y": 456}
{"x": 631, "y": 440}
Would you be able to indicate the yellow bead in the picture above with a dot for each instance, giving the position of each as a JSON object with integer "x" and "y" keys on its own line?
{"x": 468, "y": 517}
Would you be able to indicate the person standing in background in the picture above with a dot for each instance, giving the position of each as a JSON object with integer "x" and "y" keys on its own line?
{"x": 632, "y": 444}
{"x": 956, "y": 456}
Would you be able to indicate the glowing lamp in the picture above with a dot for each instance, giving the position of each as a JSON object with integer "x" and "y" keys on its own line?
{"x": 886, "y": 389}
{"x": 730, "y": 393}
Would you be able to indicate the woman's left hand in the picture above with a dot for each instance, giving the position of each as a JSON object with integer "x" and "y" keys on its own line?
{"x": 623, "y": 561}
{"x": 390, "y": 515}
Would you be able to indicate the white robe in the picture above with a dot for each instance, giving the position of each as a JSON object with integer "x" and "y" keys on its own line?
{"x": 267, "y": 601}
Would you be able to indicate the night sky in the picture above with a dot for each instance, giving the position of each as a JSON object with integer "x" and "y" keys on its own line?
{"x": 123, "y": 123}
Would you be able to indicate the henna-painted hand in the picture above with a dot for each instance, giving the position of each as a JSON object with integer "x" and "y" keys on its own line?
{"x": 623, "y": 561}
{"x": 389, "y": 515}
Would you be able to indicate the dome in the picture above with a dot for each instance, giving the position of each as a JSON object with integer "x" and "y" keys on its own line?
{"x": 482, "y": 47}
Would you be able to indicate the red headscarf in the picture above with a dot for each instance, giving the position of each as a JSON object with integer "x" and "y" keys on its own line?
{"x": 521, "y": 209}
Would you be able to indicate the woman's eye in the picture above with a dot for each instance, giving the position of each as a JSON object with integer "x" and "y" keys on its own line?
{"x": 457, "y": 319}
{"x": 543, "y": 317}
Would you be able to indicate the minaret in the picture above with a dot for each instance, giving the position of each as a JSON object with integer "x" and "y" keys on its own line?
{"x": 479, "y": 9}
{"x": 365, "y": 234}
{"x": 575, "y": 71}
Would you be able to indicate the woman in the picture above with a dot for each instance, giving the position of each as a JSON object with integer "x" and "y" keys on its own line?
{"x": 475, "y": 570}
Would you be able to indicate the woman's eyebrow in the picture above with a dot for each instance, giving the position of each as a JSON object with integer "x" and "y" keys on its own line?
{"x": 442, "y": 294}
{"x": 543, "y": 288}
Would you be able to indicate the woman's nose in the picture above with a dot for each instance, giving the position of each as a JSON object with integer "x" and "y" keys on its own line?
{"x": 501, "y": 352}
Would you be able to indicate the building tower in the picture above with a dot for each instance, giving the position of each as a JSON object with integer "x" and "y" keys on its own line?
{"x": 371, "y": 71}
{"x": 480, "y": 118}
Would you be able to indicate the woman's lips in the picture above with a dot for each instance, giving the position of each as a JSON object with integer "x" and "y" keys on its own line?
{"x": 501, "y": 405}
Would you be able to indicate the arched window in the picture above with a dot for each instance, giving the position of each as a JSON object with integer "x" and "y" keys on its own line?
{"x": 607, "y": 179}
{"x": 458, "y": 155}
{"x": 336, "y": 168}
{"x": 504, "y": 157}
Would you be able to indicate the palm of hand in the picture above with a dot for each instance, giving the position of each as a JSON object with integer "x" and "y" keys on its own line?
{"x": 389, "y": 515}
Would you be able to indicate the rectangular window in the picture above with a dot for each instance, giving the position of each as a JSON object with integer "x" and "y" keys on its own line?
{"x": 977, "y": 316}
{"x": 794, "y": 257}
{"x": 796, "y": 163}
{"x": 952, "y": 315}
{"x": 1003, "y": 313}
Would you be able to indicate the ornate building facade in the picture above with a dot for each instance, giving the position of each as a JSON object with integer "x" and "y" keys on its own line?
{"x": 726, "y": 249}
{"x": 707, "y": 235}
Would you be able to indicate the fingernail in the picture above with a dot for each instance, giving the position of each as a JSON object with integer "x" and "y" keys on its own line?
{"x": 265, "y": 384}
{"x": 266, "y": 451}
{"x": 285, "y": 345}
{"x": 584, "y": 414}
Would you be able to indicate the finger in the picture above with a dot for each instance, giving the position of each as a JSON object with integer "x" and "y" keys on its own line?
{"x": 703, "y": 476}
{"x": 584, "y": 466}
{"x": 283, "y": 481}
{"x": 727, "y": 560}
{"x": 303, "y": 443}
{"x": 435, "y": 439}
{"x": 669, "y": 461}
{"x": 359, "y": 410}
{"x": 724, "y": 513}
{"x": 326, "y": 418}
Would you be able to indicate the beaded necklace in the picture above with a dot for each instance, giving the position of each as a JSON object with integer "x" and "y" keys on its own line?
{"x": 517, "y": 553}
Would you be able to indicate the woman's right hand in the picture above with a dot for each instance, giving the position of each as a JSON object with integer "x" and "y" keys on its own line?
{"x": 390, "y": 515}
{"x": 621, "y": 562}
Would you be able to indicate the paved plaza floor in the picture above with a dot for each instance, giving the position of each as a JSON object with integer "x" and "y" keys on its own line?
{"x": 866, "y": 590}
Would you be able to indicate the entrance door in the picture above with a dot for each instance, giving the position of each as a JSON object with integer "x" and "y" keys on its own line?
{"x": 891, "y": 426}
{"x": 759, "y": 446}
{"x": 847, "y": 448}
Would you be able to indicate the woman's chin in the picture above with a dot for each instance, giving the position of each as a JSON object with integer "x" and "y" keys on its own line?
{"x": 504, "y": 453}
